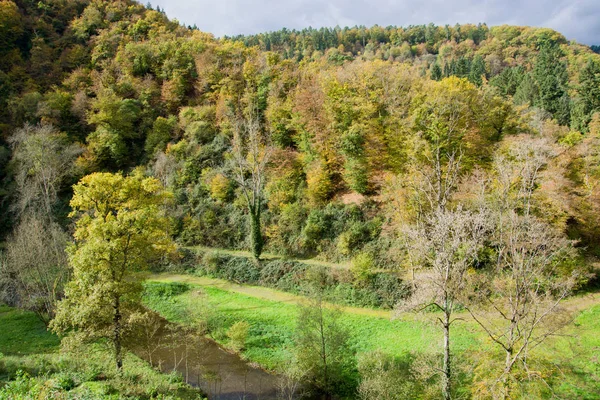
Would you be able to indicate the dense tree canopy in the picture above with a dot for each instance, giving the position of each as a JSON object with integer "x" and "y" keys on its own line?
{"x": 348, "y": 111}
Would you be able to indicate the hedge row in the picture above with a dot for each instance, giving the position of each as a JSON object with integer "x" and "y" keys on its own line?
{"x": 381, "y": 290}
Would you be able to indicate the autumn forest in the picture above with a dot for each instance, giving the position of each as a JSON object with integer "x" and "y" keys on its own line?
{"x": 339, "y": 213}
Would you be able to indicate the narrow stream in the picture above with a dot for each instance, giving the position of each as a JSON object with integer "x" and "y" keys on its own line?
{"x": 221, "y": 375}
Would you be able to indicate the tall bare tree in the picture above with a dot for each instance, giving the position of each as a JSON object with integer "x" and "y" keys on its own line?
{"x": 440, "y": 238}
{"x": 251, "y": 154}
{"x": 42, "y": 159}
{"x": 517, "y": 301}
{"x": 447, "y": 244}
{"x": 35, "y": 265}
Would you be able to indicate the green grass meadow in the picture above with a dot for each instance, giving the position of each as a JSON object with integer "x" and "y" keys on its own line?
{"x": 22, "y": 333}
{"x": 272, "y": 324}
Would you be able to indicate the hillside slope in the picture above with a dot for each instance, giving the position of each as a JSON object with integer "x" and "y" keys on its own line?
{"x": 348, "y": 112}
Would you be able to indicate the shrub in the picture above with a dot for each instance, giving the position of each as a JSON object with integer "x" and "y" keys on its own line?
{"x": 231, "y": 268}
{"x": 383, "y": 377}
{"x": 24, "y": 386}
{"x": 357, "y": 234}
{"x": 389, "y": 288}
{"x": 285, "y": 237}
{"x": 283, "y": 275}
{"x": 165, "y": 289}
{"x": 362, "y": 268}
{"x": 240, "y": 270}
{"x": 325, "y": 224}
{"x": 359, "y": 287}
{"x": 318, "y": 227}
{"x": 319, "y": 277}
{"x": 365, "y": 297}
{"x": 238, "y": 334}
{"x": 183, "y": 261}
{"x": 211, "y": 262}
{"x": 64, "y": 381}
{"x": 210, "y": 222}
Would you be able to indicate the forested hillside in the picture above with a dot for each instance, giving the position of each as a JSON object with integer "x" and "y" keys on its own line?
{"x": 349, "y": 113}
{"x": 397, "y": 148}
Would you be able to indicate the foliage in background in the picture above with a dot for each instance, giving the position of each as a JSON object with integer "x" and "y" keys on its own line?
{"x": 119, "y": 85}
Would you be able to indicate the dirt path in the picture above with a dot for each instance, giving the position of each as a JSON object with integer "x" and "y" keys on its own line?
{"x": 258, "y": 292}
{"x": 582, "y": 302}
{"x": 575, "y": 304}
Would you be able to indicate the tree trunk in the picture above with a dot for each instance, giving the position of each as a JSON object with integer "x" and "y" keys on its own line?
{"x": 507, "y": 369}
{"x": 255, "y": 232}
{"x": 117, "y": 333}
{"x": 446, "y": 388}
{"x": 324, "y": 352}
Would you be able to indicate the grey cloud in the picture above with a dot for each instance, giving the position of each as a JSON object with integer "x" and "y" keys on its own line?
{"x": 576, "y": 19}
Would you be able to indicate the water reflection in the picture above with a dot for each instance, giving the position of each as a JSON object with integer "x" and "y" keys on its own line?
{"x": 221, "y": 375}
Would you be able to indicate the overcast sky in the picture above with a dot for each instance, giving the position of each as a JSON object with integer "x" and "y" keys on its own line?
{"x": 576, "y": 19}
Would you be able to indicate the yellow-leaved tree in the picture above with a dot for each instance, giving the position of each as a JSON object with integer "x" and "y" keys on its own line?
{"x": 120, "y": 227}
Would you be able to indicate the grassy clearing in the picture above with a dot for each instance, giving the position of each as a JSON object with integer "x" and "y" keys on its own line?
{"x": 259, "y": 292}
{"x": 23, "y": 333}
{"x": 579, "y": 351}
{"x": 573, "y": 358}
{"x": 273, "y": 321}
{"x": 31, "y": 367}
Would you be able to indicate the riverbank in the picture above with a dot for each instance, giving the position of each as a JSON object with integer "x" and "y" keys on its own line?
{"x": 272, "y": 318}
{"x": 31, "y": 367}
{"x": 272, "y": 315}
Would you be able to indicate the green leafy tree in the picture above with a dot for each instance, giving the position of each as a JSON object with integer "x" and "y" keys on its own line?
{"x": 120, "y": 228}
{"x": 117, "y": 123}
{"x": 550, "y": 74}
{"x": 160, "y": 135}
{"x": 11, "y": 26}
{"x": 509, "y": 80}
{"x": 443, "y": 120}
{"x": 588, "y": 93}
{"x": 477, "y": 71}
{"x": 251, "y": 154}
{"x": 355, "y": 166}
{"x": 87, "y": 24}
{"x": 436, "y": 72}
{"x": 463, "y": 67}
